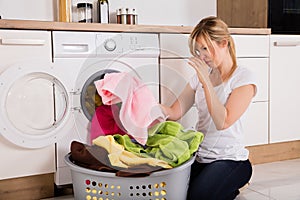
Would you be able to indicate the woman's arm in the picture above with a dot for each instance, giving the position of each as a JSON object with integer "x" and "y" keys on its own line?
{"x": 181, "y": 105}
{"x": 225, "y": 115}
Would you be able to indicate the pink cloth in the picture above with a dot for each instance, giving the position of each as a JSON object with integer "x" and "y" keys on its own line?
{"x": 106, "y": 122}
{"x": 139, "y": 110}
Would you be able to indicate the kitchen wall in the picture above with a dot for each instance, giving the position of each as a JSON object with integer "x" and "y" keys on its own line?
{"x": 28, "y": 9}
{"x": 158, "y": 12}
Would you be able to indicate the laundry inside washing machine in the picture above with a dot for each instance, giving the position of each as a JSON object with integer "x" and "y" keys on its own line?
{"x": 104, "y": 118}
{"x": 90, "y": 98}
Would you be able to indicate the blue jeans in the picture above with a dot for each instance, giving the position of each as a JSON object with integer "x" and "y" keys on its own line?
{"x": 219, "y": 180}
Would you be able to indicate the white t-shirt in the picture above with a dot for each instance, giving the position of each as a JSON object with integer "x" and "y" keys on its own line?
{"x": 226, "y": 144}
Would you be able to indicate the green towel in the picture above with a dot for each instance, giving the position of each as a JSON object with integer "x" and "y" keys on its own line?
{"x": 167, "y": 141}
{"x": 168, "y": 128}
{"x": 128, "y": 144}
{"x": 193, "y": 139}
{"x": 168, "y": 148}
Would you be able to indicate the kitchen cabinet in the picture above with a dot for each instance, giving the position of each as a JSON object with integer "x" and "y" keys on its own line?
{"x": 243, "y": 13}
{"x": 252, "y": 52}
{"x": 284, "y": 87}
{"x": 17, "y": 48}
{"x": 256, "y": 120}
{"x": 175, "y": 73}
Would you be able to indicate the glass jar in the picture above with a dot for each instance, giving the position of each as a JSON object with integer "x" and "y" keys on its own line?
{"x": 85, "y": 12}
{"x": 135, "y": 16}
{"x": 126, "y": 16}
{"x": 119, "y": 16}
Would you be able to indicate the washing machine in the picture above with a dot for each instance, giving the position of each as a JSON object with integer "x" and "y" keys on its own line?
{"x": 79, "y": 59}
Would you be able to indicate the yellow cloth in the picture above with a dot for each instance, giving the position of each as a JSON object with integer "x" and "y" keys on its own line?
{"x": 119, "y": 157}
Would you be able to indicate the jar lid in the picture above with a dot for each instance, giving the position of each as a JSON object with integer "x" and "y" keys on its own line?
{"x": 84, "y": 5}
{"x": 118, "y": 11}
{"x": 123, "y": 11}
{"x": 129, "y": 11}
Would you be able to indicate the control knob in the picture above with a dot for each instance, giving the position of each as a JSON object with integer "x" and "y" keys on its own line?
{"x": 110, "y": 45}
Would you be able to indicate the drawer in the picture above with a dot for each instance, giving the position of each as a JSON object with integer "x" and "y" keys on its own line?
{"x": 252, "y": 45}
{"x": 256, "y": 124}
{"x": 174, "y": 45}
{"x": 23, "y": 45}
{"x": 260, "y": 67}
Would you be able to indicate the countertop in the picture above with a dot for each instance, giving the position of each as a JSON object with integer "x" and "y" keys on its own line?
{"x": 51, "y": 26}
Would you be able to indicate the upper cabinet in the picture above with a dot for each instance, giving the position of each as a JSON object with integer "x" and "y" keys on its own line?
{"x": 243, "y": 13}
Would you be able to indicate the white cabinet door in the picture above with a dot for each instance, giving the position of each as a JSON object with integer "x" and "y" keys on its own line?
{"x": 260, "y": 67}
{"x": 256, "y": 119}
{"x": 253, "y": 53}
{"x": 18, "y": 47}
{"x": 256, "y": 124}
{"x": 284, "y": 88}
{"x": 175, "y": 74}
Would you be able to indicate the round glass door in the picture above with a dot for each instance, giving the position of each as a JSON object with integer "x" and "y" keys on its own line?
{"x": 33, "y": 105}
{"x": 87, "y": 99}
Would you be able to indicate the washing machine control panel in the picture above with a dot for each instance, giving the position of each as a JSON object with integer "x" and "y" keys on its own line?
{"x": 126, "y": 43}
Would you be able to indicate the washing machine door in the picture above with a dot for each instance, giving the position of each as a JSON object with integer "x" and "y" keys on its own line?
{"x": 86, "y": 99}
{"x": 34, "y": 105}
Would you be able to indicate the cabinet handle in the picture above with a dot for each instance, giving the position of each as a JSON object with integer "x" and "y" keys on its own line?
{"x": 35, "y": 42}
{"x": 75, "y": 47}
{"x": 286, "y": 43}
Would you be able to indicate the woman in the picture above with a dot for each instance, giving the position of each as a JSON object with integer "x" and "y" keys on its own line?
{"x": 222, "y": 92}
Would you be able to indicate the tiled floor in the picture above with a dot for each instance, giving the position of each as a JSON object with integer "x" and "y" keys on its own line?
{"x": 274, "y": 181}
{"x": 270, "y": 181}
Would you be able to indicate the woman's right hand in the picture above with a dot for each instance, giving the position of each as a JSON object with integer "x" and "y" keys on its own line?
{"x": 164, "y": 109}
{"x": 201, "y": 68}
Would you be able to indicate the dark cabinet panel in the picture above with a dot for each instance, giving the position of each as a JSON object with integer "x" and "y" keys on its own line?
{"x": 243, "y": 13}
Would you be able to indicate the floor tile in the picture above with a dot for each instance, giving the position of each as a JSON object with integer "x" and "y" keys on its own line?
{"x": 277, "y": 180}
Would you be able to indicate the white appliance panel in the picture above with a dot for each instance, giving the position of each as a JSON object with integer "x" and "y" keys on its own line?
{"x": 18, "y": 48}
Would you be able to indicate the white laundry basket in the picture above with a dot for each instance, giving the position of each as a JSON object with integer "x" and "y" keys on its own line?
{"x": 171, "y": 184}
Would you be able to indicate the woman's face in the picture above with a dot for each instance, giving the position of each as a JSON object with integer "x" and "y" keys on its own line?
{"x": 212, "y": 54}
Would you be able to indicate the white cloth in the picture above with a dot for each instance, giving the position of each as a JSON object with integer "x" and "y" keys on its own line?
{"x": 225, "y": 144}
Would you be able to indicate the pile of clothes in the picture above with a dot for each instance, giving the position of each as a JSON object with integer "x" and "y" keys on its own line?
{"x": 168, "y": 146}
{"x": 129, "y": 132}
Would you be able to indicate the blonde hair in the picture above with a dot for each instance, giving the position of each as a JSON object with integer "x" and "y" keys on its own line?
{"x": 213, "y": 29}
